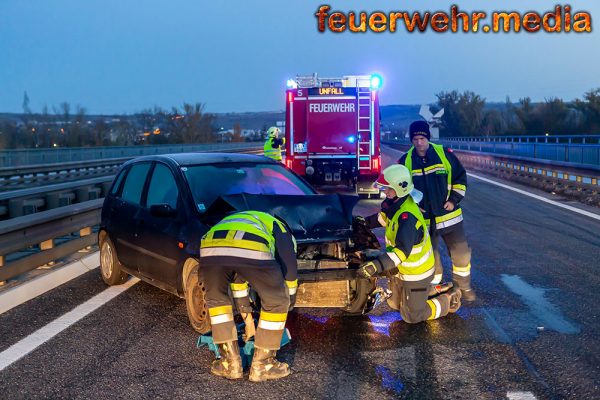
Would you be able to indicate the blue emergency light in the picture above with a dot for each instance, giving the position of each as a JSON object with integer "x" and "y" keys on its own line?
{"x": 291, "y": 84}
{"x": 351, "y": 139}
{"x": 376, "y": 81}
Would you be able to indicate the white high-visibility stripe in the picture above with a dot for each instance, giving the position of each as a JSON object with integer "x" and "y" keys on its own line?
{"x": 381, "y": 220}
{"x": 416, "y": 249}
{"x": 535, "y": 196}
{"x": 419, "y": 262}
{"x": 431, "y": 171}
{"x": 271, "y": 325}
{"x": 461, "y": 192}
{"x": 415, "y": 278}
{"x": 461, "y": 273}
{"x": 235, "y": 252}
{"x": 437, "y": 278}
{"x": 520, "y": 396}
{"x": 44, "y": 334}
{"x": 239, "y": 235}
{"x": 292, "y": 290}
{"x": 221, "y": 319}
{"x": 438, "y": 308}
{"x": 450, "y": 222}
{"x": 394, "y": 257}
{"x": 241, "y": 293}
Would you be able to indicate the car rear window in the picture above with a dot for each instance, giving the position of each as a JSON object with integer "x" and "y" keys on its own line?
{"x": 208, "y": 182}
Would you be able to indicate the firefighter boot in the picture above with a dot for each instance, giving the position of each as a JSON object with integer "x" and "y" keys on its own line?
{"x": 454, "y": 303}
{"x": 468, "y": 294}
{"x": 265, "y": 366}
{"x": 230, "y": 364}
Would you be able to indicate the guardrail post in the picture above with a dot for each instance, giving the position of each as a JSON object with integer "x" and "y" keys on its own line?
{"x": 86, "y": 232}
{"x": 2, "y": 283}
{"x": 47, "y": 245}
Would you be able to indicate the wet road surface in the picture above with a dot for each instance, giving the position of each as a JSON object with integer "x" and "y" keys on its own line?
{"x": 532, "y": 333}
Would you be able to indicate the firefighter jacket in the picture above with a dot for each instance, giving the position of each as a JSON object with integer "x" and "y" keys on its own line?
{"x": 272, "y": 148}
{"x": 441, "y": 177}
{"x": 256, "y": 237}
{"x": 408, "y": 246}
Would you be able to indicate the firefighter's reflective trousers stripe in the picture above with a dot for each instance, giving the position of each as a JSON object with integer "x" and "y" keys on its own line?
{"x": 460, "y": 253}
{"x": 240, "y": 291}
{"x": 411, "y": 299}
{"x": 266, "y": 279}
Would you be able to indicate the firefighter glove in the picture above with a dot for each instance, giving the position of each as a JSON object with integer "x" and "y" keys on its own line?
{"x": 369, "y": 269}
{"x": 291, "y": 288}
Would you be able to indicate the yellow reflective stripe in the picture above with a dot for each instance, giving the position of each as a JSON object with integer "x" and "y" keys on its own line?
{"x": 416, "y": 277}
{"x": 434, "y": 166}
{"x": 450, "y": 222}
{"x": 459, "y": 186}
{"x": 214, "y": 311}
{"x": 382, "y": 219}
{"x": 239, "y": 286}
{"x": 292, "y": 284}
{"x": 274, "y": 317}
{"x": 420, "y": 261}
{"x": 400, "y": 254}
{"x": 436, "y": 308}
{"x": 462, "y": 271}
{"x": 448, "y": 216}
{"x": 236, "y": 244}
{"x": 394, "y": 257}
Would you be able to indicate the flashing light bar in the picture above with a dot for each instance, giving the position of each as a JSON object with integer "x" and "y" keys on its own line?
{"x": 291, "y": 84}
{"x": 376, "y": 81}
{"x": 351, "y": 139}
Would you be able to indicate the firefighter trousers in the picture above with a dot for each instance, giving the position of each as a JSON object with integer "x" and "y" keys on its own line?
{"x": 460, "y": 254}
{"x": 266, "y": 279}
{"x": 413, "y": 302}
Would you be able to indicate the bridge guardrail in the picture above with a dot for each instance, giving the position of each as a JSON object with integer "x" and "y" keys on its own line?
{"x": 43, "y": 229}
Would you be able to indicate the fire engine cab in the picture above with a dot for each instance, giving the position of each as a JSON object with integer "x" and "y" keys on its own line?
{"x": 332, "y": 130}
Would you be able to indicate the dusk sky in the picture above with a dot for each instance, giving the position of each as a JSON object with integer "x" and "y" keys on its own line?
{"x": 123, "y": 56}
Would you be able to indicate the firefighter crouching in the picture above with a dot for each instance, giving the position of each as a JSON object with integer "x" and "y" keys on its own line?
{"x": 440, "y": 176}
{"x": 257, "y": 248}
{"x": 273, "y": 145}
{"x": 409, "y": 255}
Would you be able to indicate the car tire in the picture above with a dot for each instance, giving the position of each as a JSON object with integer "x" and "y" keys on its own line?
{"x": 197, "y": 310}
{"x": 110, "y": 267}
{"x": 360, "y": 289}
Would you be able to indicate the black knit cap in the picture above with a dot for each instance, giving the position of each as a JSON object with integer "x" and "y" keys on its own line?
{"x": 419, "y": 128}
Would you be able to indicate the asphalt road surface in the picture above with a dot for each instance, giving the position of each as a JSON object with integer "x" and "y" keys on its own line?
{"x": 532, "y": 333}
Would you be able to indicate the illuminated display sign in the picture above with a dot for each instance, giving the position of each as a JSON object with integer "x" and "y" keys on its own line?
{"x": 332, "y": 91}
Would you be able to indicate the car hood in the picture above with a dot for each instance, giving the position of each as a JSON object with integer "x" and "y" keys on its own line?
{"x": 312, "y": 218}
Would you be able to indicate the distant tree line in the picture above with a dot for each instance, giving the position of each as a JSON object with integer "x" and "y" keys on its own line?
{"x": 68, "y": 127}
{"x": 466, "y": 114}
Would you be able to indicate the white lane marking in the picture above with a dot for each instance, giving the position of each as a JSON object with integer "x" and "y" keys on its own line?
{"x": 22, "y": 293}
{"x": 535, "y": 196}
{"x": 520, "y": 396}
{"x": 42, "y": 335}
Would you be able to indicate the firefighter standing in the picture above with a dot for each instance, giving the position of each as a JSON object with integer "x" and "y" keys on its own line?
{"x": 409, "y": 254}
{"x": 273, "y": 145}
{"x": 438, "y": 173}
{"x": 257, "y": 248}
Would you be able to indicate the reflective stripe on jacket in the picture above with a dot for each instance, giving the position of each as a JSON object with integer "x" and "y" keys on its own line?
{"x": 438, "y": 184}
{"x": 247, "y": 234}
{"x": 419, "y": 263}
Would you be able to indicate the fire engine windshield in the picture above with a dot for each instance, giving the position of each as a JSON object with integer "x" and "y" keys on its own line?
{"x": 208, "y": 182}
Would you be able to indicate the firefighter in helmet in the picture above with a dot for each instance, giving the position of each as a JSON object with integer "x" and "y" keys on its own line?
{"x": 408, "y": 257}
{"x": 257, "y": 248}
{"x": 274, "y": 144}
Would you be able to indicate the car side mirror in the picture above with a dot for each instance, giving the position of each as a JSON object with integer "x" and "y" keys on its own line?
{"x": 162, "y": 210}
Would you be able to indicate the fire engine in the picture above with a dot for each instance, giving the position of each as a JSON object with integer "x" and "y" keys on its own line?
{"x": 332, "y": 130}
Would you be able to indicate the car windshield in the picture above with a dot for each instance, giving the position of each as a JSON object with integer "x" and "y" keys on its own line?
{"x": 208, "y": 182}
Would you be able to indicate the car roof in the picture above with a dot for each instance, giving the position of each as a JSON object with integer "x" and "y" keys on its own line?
{"x": 185, "y": 159}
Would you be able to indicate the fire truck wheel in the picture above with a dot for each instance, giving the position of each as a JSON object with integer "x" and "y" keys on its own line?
{"x": 360, "y": 289}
